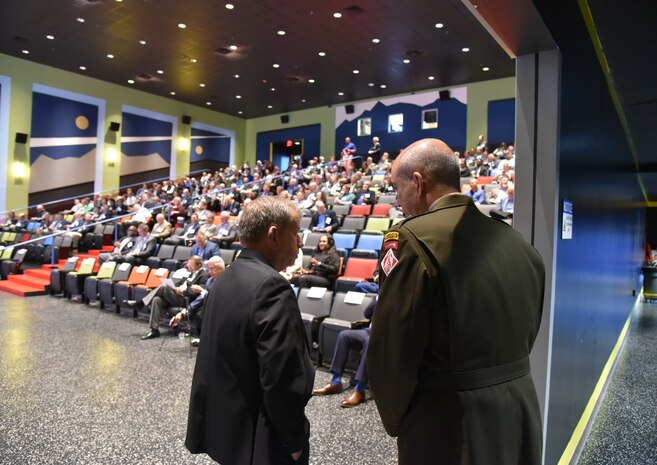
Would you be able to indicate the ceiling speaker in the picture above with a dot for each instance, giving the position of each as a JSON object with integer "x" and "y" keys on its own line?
{"x": 21, "y": 137}
{"x": 285, "y": 119}
{"x": 114, "y": 126}
{"x": 349, "y": 109}
{"x": 186, "y": 119}
{"x": 444, "y": 95}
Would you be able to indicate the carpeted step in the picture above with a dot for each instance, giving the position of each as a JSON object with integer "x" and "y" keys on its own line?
{"x": 28, "y": 280}
{"x": 21, "y": 289}
{"x": 38, "y": 274}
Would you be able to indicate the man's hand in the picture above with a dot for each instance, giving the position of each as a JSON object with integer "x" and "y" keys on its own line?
{"x": 178, "y": 290}
{"x": 196, "y": 289}
{"x": 296, "y": 455}
{"x": 176, "y": 319}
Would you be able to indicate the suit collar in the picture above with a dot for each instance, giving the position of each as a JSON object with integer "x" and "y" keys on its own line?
{"x": 254, "y": 254}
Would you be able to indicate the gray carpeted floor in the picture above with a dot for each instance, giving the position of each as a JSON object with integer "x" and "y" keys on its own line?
{"x": 78, "y": 386}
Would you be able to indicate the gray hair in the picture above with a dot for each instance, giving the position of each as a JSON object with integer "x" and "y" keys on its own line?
{"x": 434, "y": 160}
{"x": 215, "y": 261}
{"x": 262, "y": 213}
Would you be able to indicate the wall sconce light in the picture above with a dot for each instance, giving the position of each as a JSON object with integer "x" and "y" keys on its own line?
{"x": 183, "y": 144}
{"x": 112, "y": 156}
{"x": 19, "y": 170}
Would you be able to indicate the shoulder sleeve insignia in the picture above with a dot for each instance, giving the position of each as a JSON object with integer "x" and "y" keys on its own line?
{"x": 391, "y": 236}
{"x": 389, "y": 262}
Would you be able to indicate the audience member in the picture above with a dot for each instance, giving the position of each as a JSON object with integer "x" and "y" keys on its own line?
{"x": 144, "y": 247}
{"x": 226, "y": 232}
{"x": 324, "y": 265}
{"x": 121, "y": 248}
{"x": 204, "y": 248}
{"x": 475, "y": 193}
{"x": 323, "y": 220}
{"x": 161, "y": 228}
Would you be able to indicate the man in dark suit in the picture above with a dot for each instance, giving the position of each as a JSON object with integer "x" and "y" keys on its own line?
{"x": 323, "y": 220}
{"x": 121, "y": 248}
{"x": 366, "y": 196}
{"x": 448, "y": 362}
{"x": 188, "y": 233}
{"x": 204, "y": 248}
{"x": 253, "y": 375}
{"x": 165, "y": 298}
{"x": 144, "y": 247}
{"x": 226, "y": 232}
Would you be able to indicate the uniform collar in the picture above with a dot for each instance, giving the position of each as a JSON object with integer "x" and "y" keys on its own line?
{"x": 454, "y": 199}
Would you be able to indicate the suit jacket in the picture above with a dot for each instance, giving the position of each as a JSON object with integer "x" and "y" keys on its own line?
{"x": 141, "y": 252}
{"x": 458, "y": 354}
{"x": 161, "y": 231}
{"x": 201, "y": 279}
{"x": 210, "y": 250}
{"x": 229, "y": 237}
{"x": 330, "y": 221}
{"x": 253, "y": 375}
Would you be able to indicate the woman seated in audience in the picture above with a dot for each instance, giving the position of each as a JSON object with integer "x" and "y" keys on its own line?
{"x": 324, "y": 264}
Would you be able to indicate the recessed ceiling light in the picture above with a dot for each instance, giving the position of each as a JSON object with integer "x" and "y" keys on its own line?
{"x": 80, "y": 20}
{"x": 406, "y": 60}
{"x": 118, "y": 1}
{"x": 26, "y": 52}
{"x": 83, "y": 68}
{"x": 160, "y": 71}
{"x": 276, "y": 65}
{"x": 281, "y": 33}
{"x": 201, "y": 84}
{"x": 109, "y": 55}
{"x": 465, "y": 49}
{"x": 131, "y": 81}
{"x": 50, "y": 37}
{"x": 238, "y": 96}
{"x": 240, "y": 112}
{"x": 236, "y": 76}
{"x": 142, "y": 42}
{"x": 172, "y": 93}
{"x": 383, "y": 86}
{"x": 371, "y": 84}
{"x": 273, "y": 89}
{"x": 229, "y": 6}
{"x": 340, "y": 94}
{"x": 311, "y": 81}
{"x": 485, "y": 68}
{"x": 431, "y": 78}
{"x": 193, "y": 60}
{"x": 182, "y": 25}
{"x": 303, "y": 100}
{"x": 439, "y": 25}
{"x": 233, "y": 47}
{"x": 337, "y": 15}
{"x": 208, "y": 103}
{"x": 355, "y": 71}
{"x": 322, "y": 54}
{"x": 376, "y": 41}
{"x": 270, "y": 107}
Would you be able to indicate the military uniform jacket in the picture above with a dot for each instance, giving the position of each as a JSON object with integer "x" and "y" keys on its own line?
{"x": 454, "y": 326}
{"x": 253, "y": 375}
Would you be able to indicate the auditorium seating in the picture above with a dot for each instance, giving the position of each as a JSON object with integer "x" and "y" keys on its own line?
{"x": 106, "y": 286}
{"x": 315, "y": 305}
{"x": 74, "y": 280}
{"x": 57, "y": 276}
{"x": 105, "y": 271}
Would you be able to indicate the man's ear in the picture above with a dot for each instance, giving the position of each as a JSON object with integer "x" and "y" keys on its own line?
{"x": 272, "y": 234}
{"x": 418, "y": 183}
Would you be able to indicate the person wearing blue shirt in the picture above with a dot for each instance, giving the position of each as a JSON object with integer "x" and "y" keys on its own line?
{"x": 477, "y": 195}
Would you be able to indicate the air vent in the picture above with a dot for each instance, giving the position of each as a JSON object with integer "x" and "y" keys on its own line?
{"x": 223, "y": 51}
{"x": 353, "y": 10}
{"x": 293, "y": 79}
{"x": 145, "y": 77}
{"x": 414, "y": 53}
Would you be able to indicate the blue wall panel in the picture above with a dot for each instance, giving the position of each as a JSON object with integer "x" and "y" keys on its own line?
{"x": 207, "y": 145}
{"x": 54, "y": 116}
{"x": 310, "y": 135}
{"x": 452, "y": 122}
{"x": 501, "y": 121}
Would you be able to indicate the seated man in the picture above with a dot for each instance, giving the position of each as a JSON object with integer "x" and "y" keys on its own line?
{"x": 196, "y": 308}
{"x": 475, "y": 192}
{"x": 323, "y": 220}
{"x": 188, "y": 234}
{"x": 121, "y": 248}
{"x": 161, "y": 228}
{"x": 226, "y": 232}
{"x": 165, "y": 298}
{"x": 348, "y": 339}
{"x": 144, "y": 246}
{"x": 204, "y": 248}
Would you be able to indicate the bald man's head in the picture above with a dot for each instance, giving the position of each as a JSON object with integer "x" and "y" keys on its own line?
{"x": 433, "y": 159}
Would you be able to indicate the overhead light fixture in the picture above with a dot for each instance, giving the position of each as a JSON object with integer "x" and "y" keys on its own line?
{"x": 160, "y": 71}
{"x": 431, "y": 78}
{"x": 193, "y": 60}
{"x": 376, "y": 41}
{"x": 80, "y": 20}
{"x": 236, "y": 76}
{"x": 465, "y": 49}
{"x": 182, "y": 25}
{"x": 337, "y": 15}
{"x": 311, "y": 81}
{"x": 233, "y": 47}
{"x": 238, "y": 96}
{"x": 406, "y": 60}
{"x": 83, "y": 68}
{"x": 485, "y": 68}
{"x": 276, "y": 65}
{"x": 110, "y": 56}
{"x": 50, "y": 37}
{"x": 240, "y": 112}
{"x": 142, "y": 42}
{"x": 371, "y": 84}
{"x": 172, "y": 93}
{"x": 270, "y": 107}
{"x": 439, "y": 25}
{"x": 201, "y": 84}
{"x": 340, "y": 94}
{"x": 208, "y": 103}
{"x": 281, "y": 33}
{"x": 355, "y": 71}
{"x": 303, "y": 100}
{"x": 322, "y": 54}
{"x": 26, "y": 52}
{"x": 229, "y": 6}
{"x": 383, "y": 86}
{"x": 131, "y": 81}
{"x": 273, "y": 89}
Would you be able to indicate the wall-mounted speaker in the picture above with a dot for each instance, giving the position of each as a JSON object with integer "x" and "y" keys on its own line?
{"x": 186, "y": 119}
{"x": 114, "y": 126}
{"x": 21, "y": 138}
{"x": 444, "y": 95}
{"x": 285, "y": 119}
{"x": 349, "y": 109}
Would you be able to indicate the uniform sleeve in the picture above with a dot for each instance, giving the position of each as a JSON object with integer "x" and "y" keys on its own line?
{"x": 286, "y": 374}
{"x": 400, "y": 328}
